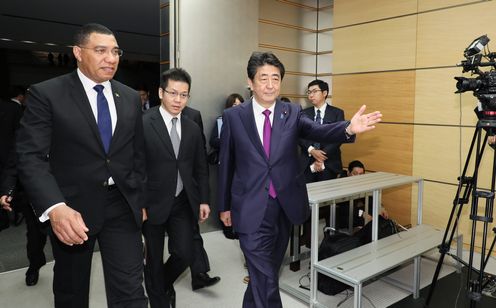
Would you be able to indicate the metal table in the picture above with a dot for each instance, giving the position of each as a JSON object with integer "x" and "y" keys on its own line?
{"x": 332, "y": 191}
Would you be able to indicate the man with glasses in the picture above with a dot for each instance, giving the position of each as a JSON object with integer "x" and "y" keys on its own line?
{"x": 81, "y": 156}
{"x": 322, "y": 161}
{"x": 177, "y": 190}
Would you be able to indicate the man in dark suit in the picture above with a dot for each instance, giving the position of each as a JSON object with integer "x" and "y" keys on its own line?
{"x": 10, "y": 115}
{"x": 80, "y": 151}
{"x": 322, "y": 161}
{"x": 13, "y": 196}
{"x": 260, "y": 187}
{"x": 177, "y": 192}
{"x": 200, "y": 265}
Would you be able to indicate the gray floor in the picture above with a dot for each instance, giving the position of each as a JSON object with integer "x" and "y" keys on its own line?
{"x": 227, "y": 262}
{"x": 13, "y": 248}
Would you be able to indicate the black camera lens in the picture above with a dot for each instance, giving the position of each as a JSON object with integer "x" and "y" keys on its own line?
{"x": 467, "y": 84}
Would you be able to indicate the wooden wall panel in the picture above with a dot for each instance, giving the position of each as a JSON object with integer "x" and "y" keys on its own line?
{"x": 435, "y": 100}
{"x": 292, "y": 85}
{"x": 388, "y": 148}
{"x": 437, "y": 203}
{"x": 378, "y": 46}
{"x": 392, "y": 93}
{"x": 280, "y": 12}
{"x": 486, "y": 166}
{"x": 414, "y": 58}
{"x": 295, "y": 48}
{"x": 290, "y": 60}
{"x": 443, "y": 35}
{"x": 425, "y": 5}
{"x": 396, "y": 201}
{"x": 279, "y": 36}
{"x": 348, "y": 12}
{"x": 466, "y": 227}
{"x": 468, "y": 102}
{"x": 436, "y": 153}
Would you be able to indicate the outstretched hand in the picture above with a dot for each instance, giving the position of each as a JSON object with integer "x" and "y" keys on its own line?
{"x": 361, "y": 123}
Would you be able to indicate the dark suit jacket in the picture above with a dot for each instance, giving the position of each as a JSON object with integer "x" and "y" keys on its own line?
{"x": 245, "y": 172}
{"x": 10, "y": 115}
{"x": 162, "y": 166}
{"x": 196, "y": 117}
{"x": 333, "y": 164}
{"x": 61, "y": 156}
{"x": 214, "y": 136}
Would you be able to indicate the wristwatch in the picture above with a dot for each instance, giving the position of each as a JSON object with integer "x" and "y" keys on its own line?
{"x": 346, "y": 133}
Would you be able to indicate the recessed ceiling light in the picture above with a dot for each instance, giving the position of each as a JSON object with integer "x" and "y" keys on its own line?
{"x": 50, "y": 44}
{"x": 5, "y": 39}
{"x": 28, "y": 42}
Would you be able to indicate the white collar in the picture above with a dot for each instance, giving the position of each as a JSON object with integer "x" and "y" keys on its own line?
{"x": 88, "y": 84}
{"x": 259, "y": 109}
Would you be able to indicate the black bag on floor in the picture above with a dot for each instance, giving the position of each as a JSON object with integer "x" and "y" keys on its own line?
{"x": 332, "y": 245}
{"x": 337, "y": 243}
{"x": 386, "y": 228}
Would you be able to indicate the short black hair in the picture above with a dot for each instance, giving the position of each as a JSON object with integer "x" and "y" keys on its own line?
{"x": 142, "y": 87}
{"x": 232, "y": 98}
{"x": 176, "y": 74}
{"x": 259, "y": 59}
{"x": 83, "y": 34}
{"x": 323, "y": 86}
{"x": 355, "y": 164}
{"x": 285, "y": 99}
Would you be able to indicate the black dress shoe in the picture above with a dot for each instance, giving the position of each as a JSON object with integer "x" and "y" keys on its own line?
{"x": 171, "y": 294}
{"x": 202, "y": 280}
{"x": 229, "y": 233}
{"x": 32, "y": 276}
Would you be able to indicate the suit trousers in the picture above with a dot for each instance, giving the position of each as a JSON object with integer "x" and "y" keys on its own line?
{"x": 160, "y": 277}
{"x": 200, "y": 262}
{"x": 121, "y": 251}
{"x": 36, "y": 235}
{"x": 264, "y": 251}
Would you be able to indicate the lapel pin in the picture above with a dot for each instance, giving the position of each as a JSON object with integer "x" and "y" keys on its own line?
{"x": 116, "y": 94}
{"x": 283, "y": 114}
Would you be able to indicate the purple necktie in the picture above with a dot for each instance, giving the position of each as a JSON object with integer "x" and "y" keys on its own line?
{"x": 267, "y": 132}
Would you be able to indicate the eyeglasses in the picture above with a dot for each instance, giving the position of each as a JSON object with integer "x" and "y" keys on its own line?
{"x": 116, "y": 52}
{"x": 174, "y": 94}
{"x": 313, "y": 92}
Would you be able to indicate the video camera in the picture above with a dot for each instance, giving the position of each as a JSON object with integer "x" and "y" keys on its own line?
{"x": 484, "y": 85}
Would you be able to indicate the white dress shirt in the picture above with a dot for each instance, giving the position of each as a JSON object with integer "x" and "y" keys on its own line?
{"x": 167, "y": 117}
{"x": 88, "y": 85}
{"x": 260, "y": 117}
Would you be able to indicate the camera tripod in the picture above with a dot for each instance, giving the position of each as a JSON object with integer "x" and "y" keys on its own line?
{"x": 467, "y": 186}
